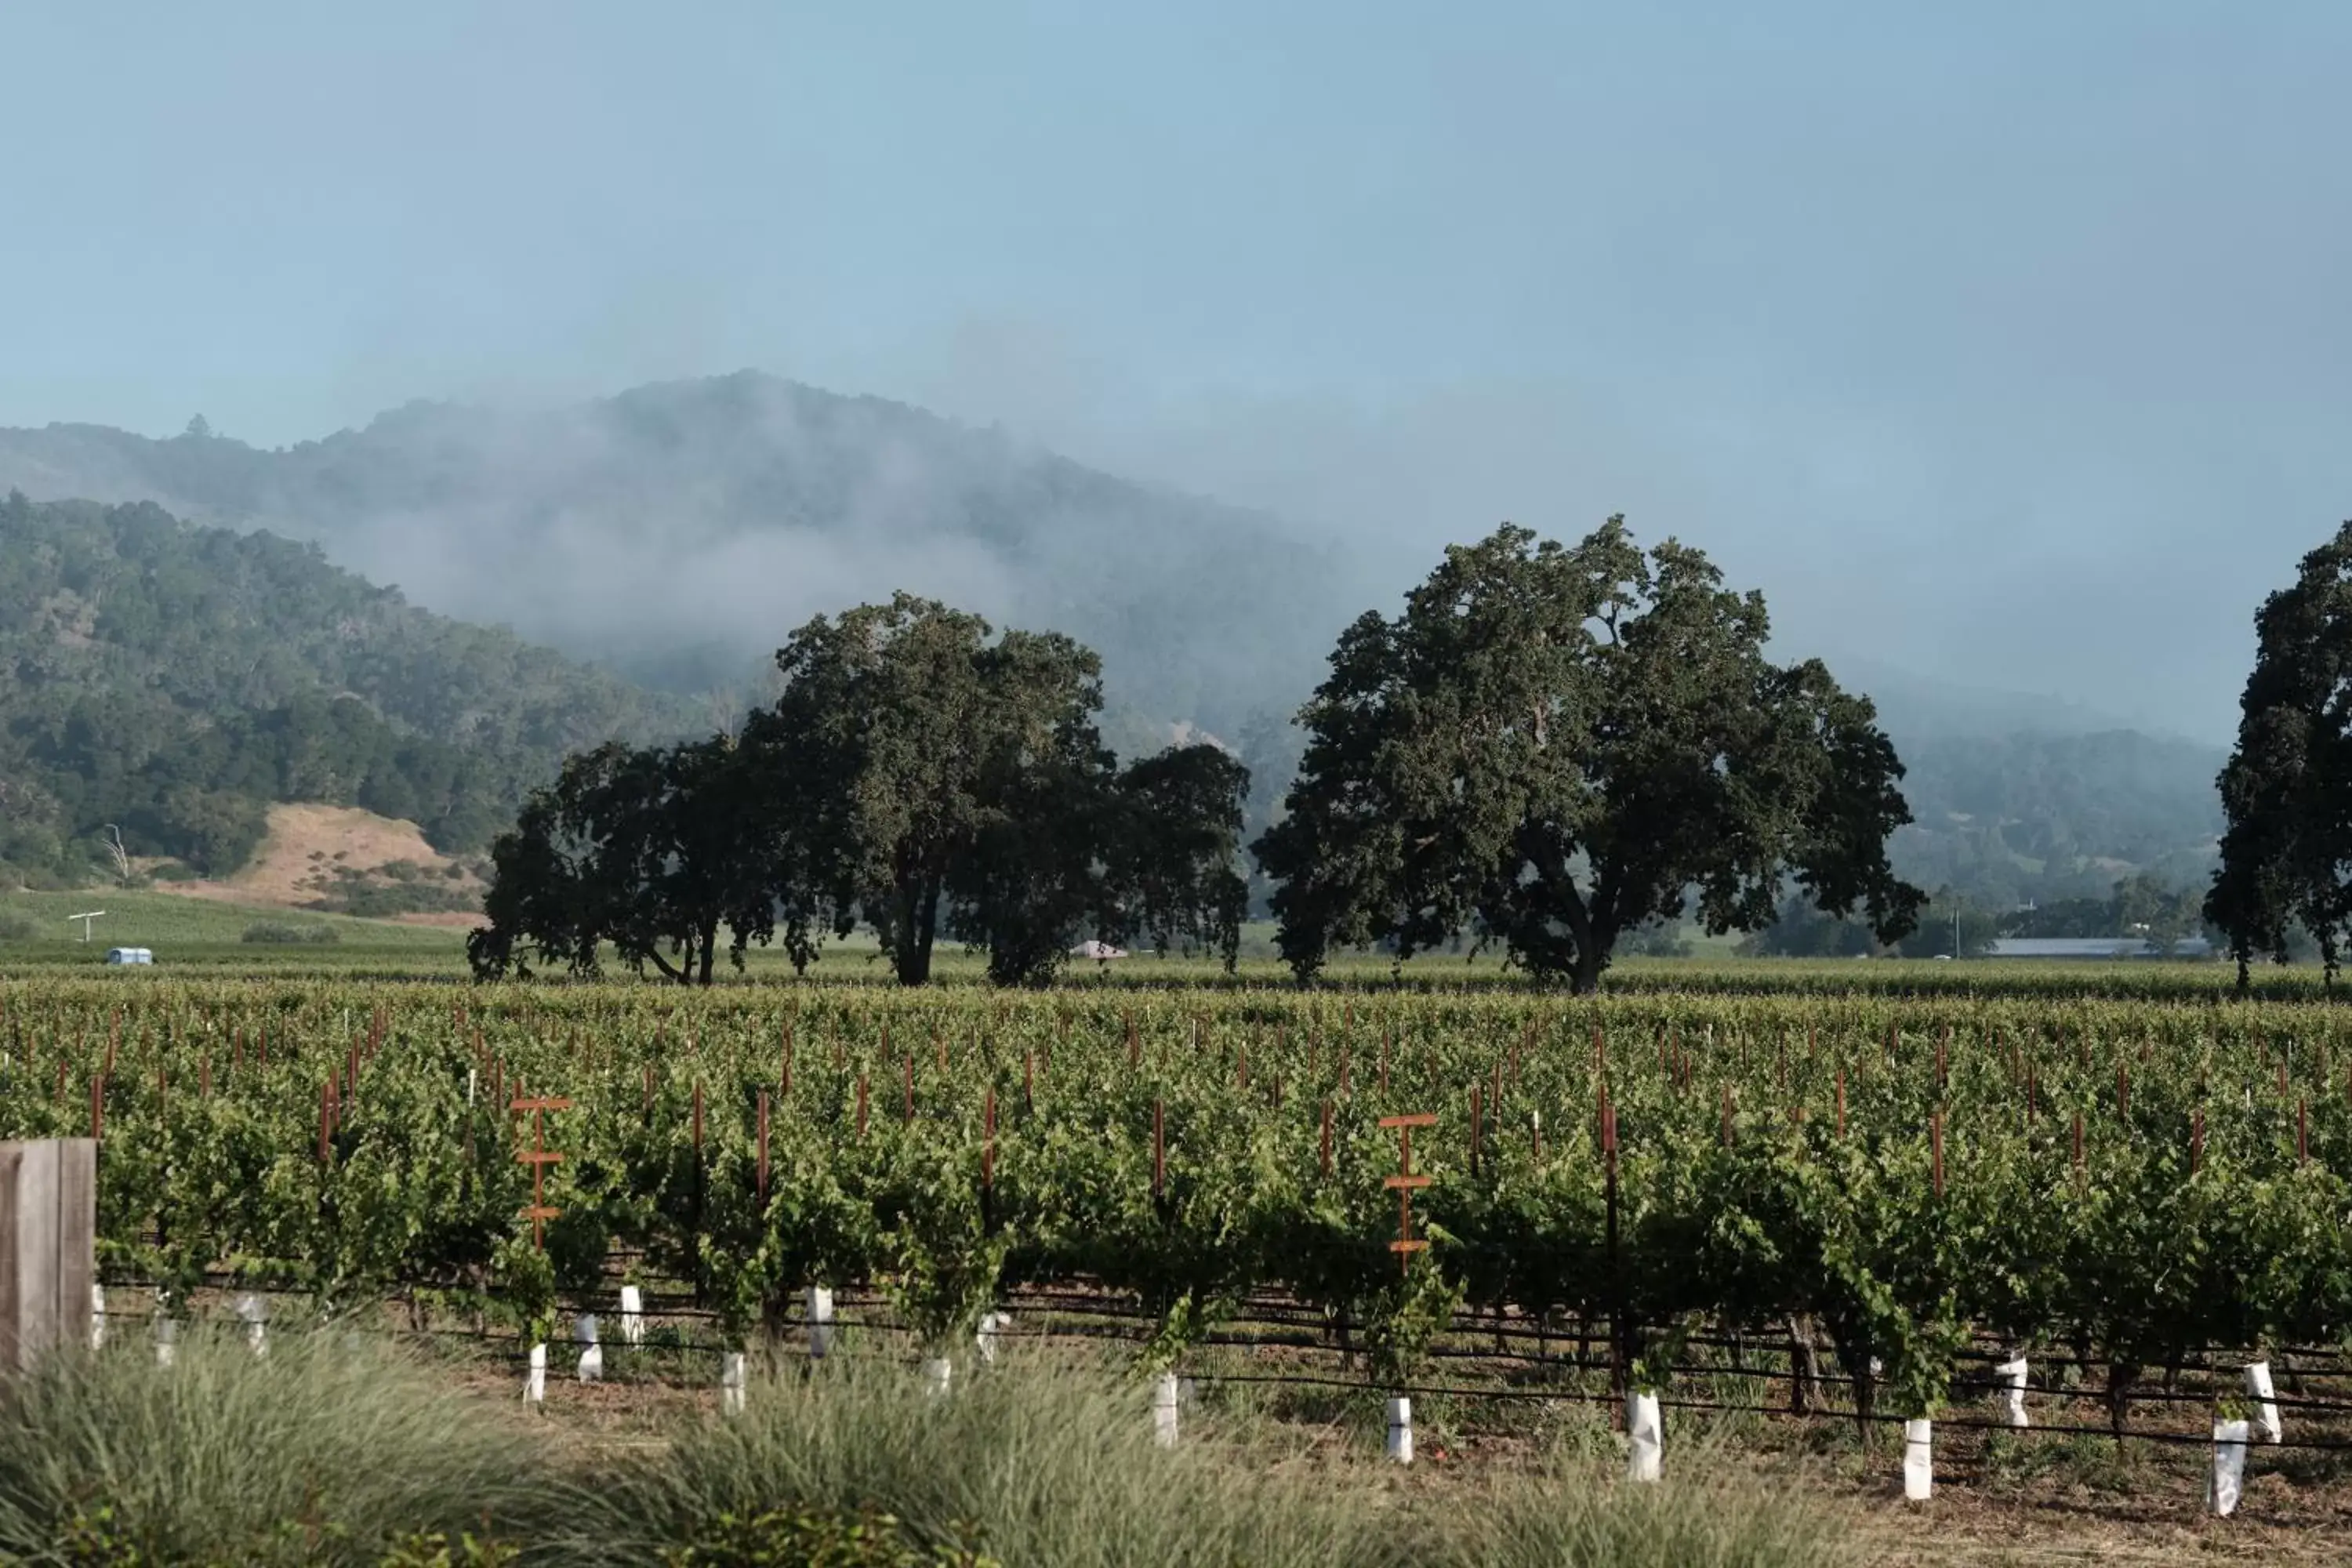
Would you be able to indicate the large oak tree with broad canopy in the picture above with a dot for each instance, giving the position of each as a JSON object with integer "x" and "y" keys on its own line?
{"x": 917, "y": 771}
{"x": 943, "y": 778}
{"x": 2286, "y": 793}
{"x": 638, "y": 850}
{"x": 1553, "y": 744}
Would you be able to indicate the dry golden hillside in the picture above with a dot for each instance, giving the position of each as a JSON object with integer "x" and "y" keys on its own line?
{"x": 342, "y": 858}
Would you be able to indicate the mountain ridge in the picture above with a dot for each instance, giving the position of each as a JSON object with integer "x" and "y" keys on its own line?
{"x": 677, "y": 532}
{"x": 738, "y": 506}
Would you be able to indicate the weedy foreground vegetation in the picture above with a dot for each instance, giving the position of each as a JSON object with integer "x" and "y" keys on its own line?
{"x": 338, "y": 1449}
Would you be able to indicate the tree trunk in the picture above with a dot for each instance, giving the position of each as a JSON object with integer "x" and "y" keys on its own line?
{"x": 927, "y": 927}
{"x": 2121, "y": 1375}
{"x": 918, "y": 909}
{"x": 710, "y": 948}
{"x": 906, "y": 957}
{"x": 1585, "y": 979}
{"x": 1804, "y": 1369}
{"x": 1854, "y": 1360}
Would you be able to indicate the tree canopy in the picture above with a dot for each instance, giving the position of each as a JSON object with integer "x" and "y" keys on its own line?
{"x": 2286, "y": 791}
{"x": 1552, "y": 746}
{"x": 1203, "y": 613}
{"x": 919, "y": 773}
{"x": 945, "y": 779}
{"x": 641, "y": 850}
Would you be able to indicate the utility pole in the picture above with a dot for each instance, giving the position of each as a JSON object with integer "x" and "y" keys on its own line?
{"x": 85, "y": 919}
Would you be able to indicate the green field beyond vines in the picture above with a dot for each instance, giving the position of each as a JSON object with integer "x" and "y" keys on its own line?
{"x": 2140, "y": 1182}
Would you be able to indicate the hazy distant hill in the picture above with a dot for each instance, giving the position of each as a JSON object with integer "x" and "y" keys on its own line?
{"x": 1912, "y": 704}
{"x": 2054, "y": 815}
{"x": 174, "y": 680}
{"x": 679, "y": 531}
{"x": 2016, "y": 796}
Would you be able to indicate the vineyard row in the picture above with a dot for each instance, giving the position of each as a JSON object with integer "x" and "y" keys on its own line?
{"x": 2130, "y": 1183}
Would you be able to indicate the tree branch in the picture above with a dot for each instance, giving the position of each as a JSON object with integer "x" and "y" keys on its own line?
{"x": 654, "y": 952}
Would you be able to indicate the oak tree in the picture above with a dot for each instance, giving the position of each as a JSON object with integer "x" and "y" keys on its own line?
{"x": 2286, "y": 790}
{"x": 940, "y": 778}
{"x": 643, "y": 850}
{"x": 1553, "y": 744}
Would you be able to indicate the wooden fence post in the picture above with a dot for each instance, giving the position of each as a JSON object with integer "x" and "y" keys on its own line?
{"x": 48, "y": 1227}
{"x": 1158, "y": 1150}
{"x": 761, "y": 1174}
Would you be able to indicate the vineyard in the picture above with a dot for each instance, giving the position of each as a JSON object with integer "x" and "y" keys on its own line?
{"x": 2127, "y": 1189}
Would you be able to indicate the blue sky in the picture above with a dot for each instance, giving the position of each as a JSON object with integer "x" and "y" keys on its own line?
{"x": 2003, "y": 343}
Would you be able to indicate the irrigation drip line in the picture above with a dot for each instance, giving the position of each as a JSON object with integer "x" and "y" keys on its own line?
{"x": 2316, "y": 1406}
{"x": 1832, "y": 1413}
{"x": 1963, "y": 1423}
{"x": 489, "y": 1336}
{"x": 145, "y": 1313}
{"x": 2216, "y": 1361}
{"x": 1079, "y": 1310}
{"x": 2183, "y": 1439}
{"x": 1279, "y": 1312}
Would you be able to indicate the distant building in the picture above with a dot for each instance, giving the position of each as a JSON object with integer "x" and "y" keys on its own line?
{"x": 2094, "y": 947}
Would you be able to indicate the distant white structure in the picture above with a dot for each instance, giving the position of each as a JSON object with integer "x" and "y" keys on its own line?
{"x": 85, "y": 919}
{"x": 1097, "y": 950}
{"x": 130, "y": 955}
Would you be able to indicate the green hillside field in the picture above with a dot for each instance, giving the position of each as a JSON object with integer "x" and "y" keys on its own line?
{"x": 196, "y": 933}
{"x": 182, "y": 932}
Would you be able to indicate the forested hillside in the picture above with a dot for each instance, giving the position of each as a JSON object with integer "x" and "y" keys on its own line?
{"x": 173, "y": 680}
{"x": 2004, "y": 818}
{"x": 680, "y": 530}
